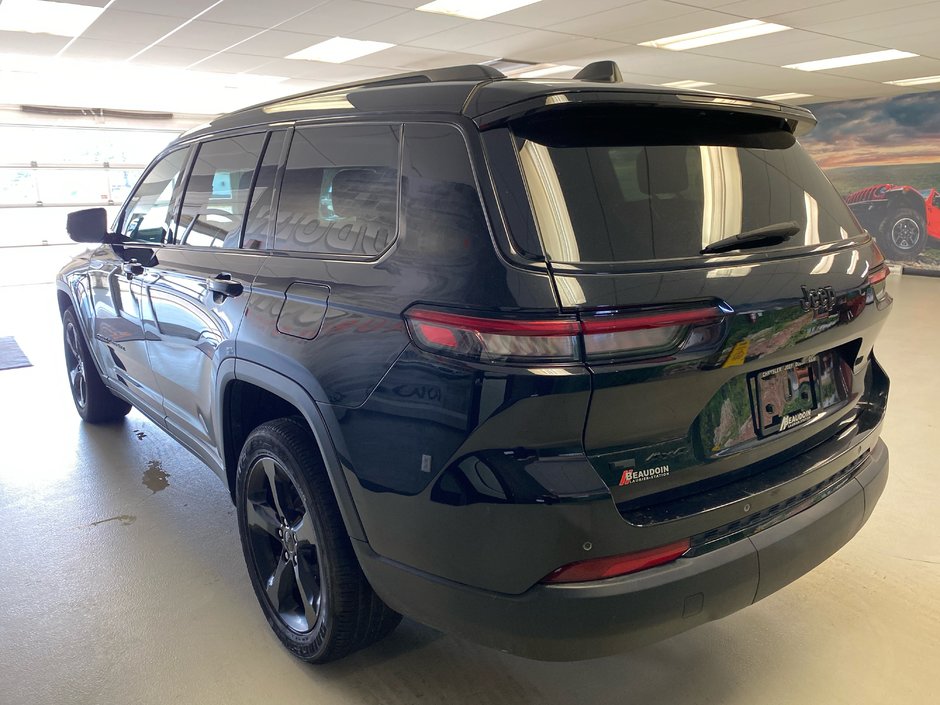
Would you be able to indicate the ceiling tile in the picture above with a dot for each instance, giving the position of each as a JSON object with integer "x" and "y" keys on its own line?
{"x": 138, "y": 26}
{"x": 251, "y": 13}
{"x": 170, "y": 56}
{"x": 527, "y": 46}
{"x": 812, "y": 17}
{"x": 623, "y": 18}
{"x": 408, "y": 26}
{"x": 89, "y": 3}
{"x": 106, "y": 49}
{"x": 228, "y": 62}
{"x": 892, "y": 70}
{"x": 169, "y": 8}
{"x": 666, "y": 27}
{"x": 575, "y": 51}
{"x": 543, "y": 14}
{"x": 467, "y": 35}
{"x": 277, "y": 44}
{"x": 343, "y": 17}
{"x": 212, "y": 36}
{"x": 316, "y": 71}
{"x": 785, "y": 48}
{"x": 27, "y": 43}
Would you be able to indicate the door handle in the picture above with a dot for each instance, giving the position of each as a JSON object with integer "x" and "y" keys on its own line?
{"x": 132, "y": 269}
{"x": 223, "y": 285}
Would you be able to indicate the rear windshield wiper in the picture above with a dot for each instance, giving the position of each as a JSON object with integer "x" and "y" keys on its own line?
{"x": 759, "y": 237}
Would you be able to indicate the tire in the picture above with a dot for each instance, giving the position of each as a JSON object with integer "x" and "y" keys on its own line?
{"x": 903, "y": 235}
{"x": 93, "y": 400}
{"x": 299, "y": 556}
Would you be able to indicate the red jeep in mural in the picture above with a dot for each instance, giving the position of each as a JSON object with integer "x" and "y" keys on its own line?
{"x": 900, "y": 217}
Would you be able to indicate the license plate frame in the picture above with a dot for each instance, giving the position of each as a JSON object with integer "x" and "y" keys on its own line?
{"x": 787, "y": 395}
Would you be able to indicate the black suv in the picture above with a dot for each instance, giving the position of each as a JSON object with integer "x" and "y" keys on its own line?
{"x": 562, "y": 367}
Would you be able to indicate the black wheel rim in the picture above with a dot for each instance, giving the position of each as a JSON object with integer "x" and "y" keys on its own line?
{"x": 283, "y": 545}
{"x": 905, "y": 233}
{"x": 76, "y": 368}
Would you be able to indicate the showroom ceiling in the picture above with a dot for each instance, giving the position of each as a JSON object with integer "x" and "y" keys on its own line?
{"x": 207, "y": 56}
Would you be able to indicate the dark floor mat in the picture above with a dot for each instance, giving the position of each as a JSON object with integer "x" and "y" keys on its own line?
{"x": 11, "y": 356}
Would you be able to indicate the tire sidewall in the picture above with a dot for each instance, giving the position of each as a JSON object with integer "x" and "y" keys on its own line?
{"x": 70, "y": 319}
{"x": 265, "y": 443}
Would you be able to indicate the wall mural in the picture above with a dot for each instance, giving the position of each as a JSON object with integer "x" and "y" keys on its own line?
{"x": 883, "y": 155}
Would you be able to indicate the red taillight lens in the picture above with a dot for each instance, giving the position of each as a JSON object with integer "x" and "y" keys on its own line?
{"x": 612, "y": 566}
{"x": 605, "y": 336}
{"x": 495, "y": 340}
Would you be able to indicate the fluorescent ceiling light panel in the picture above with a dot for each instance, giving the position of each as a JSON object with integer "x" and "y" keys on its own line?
{"x": 548, "y": 71}
{"x": 339, "y": 49}
{"x": 686, "y": 84}
{"x": 474, "y": 9}
{"x": 63, "y": 19}
{"x": 716, "y": 35}
{"x": 872, "y": 57}
{"x": 785, "y": 96}
{"x": 923, "y": 80}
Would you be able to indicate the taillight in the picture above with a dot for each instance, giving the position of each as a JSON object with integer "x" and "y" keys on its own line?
{"x": 878, "y": 281}
{"x": 494, "y": 340}
{"x": 615, "y": 336}
{"x": 613, "y": 566}
{"x": 595, "y": 337}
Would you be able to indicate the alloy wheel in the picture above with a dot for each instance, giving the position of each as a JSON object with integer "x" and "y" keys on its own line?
{"x": 905, "y": 233}
{"x": 284, "y": 546}
{"x": 75, "y": 365}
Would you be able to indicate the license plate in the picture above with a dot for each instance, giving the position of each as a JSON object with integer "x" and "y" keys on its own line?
{"x": 790, "y": 395}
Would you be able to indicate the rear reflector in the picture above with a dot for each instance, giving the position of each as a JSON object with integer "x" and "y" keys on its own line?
{"x": 604, "y": 336}
{"x": 613, "y": 566}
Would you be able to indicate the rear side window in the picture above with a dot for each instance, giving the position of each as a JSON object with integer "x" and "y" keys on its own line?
{"x": 443, "y": 217}
{"x": 628, "y": 184}
{"x": 217, "y": 191}
{"x": 146, "y": 216}
{"x": 340, "y": 190}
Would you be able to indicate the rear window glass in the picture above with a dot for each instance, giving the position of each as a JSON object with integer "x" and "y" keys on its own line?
{"x": 621, "y": 185}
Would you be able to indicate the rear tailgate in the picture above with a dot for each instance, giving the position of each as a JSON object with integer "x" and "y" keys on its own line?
{"x": 735, "y": 297}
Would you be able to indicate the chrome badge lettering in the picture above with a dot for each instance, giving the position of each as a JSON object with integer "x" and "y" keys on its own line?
{"x": 796, "y": 419}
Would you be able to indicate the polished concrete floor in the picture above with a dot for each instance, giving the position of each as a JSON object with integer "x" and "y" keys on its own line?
{"x": 121, "y": 578}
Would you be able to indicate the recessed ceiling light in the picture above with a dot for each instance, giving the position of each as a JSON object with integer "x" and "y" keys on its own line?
{"x": 915, "y": 81}
{"x": 785, "y": 96}
{"x": 339, "y": 49}
{"x": 838, "y": 62}
{"x": 548, "y": 71}
{"x": 686, "y": 84}
{"x": 715, "y": 35}
{"x": 474, "y": 9}
{"x": 63, "y": 19}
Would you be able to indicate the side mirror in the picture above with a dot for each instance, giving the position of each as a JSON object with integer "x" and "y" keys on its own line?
{"x": 89, "y": 225}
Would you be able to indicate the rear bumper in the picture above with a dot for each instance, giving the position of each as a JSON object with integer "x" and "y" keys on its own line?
{"x": 588, "y": 620}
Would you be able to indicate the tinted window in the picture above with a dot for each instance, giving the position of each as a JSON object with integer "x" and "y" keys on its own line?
{"x": 147, "y": 212}
{"x": 658, "y": 184}
{"x": 217, "y": 191}
{"x": 443, "y": 216}
{"x": 259, "y": 228}
{"x": 340, "y": 190}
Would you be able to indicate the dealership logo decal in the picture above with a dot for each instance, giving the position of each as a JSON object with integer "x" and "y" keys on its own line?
{"x": 632, "y": 475}
{"x": 796, "y": 419}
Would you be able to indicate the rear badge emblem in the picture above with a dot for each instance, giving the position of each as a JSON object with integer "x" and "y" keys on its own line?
{"x": 820, "y": 301}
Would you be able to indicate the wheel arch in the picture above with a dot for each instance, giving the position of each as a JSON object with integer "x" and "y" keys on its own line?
{"x": 906, "y": 198}
{"x": 249, "y": 395}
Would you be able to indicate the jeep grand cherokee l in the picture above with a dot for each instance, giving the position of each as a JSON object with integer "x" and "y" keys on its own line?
{"x": 562, "y": 367}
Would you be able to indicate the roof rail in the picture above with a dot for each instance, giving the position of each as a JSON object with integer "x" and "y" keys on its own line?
{"x": 467, "y": 72}
{"x": 600, "y": 72}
